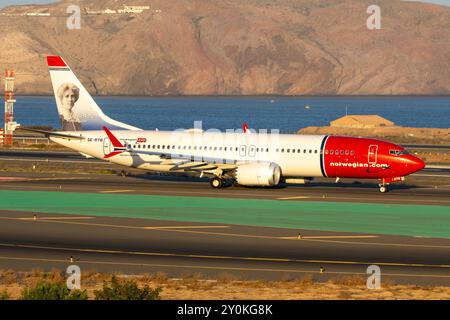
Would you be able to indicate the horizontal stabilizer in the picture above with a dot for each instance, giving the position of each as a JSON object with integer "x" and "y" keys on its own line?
{"x": 53, "y": 134}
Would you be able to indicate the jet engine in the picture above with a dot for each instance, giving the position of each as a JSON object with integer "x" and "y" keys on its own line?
{"x": 261, "y": 174}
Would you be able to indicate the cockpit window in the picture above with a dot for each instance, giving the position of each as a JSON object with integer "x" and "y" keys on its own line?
{"x": 398, "y": 152}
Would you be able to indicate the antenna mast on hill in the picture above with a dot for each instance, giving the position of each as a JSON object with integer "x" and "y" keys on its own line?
{"x": 10, "y": 125}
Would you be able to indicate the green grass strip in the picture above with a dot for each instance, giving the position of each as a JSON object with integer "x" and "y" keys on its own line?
{"x": 398, "y": 219}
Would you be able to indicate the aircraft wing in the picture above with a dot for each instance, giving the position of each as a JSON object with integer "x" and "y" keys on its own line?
{"x": 180, "y": 162}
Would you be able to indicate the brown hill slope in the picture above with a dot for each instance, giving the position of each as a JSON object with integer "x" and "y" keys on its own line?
{"x": 289, "y": 47}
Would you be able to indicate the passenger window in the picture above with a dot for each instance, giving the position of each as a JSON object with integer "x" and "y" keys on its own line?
{"x": 315, "y": 151}
{"x": 342, "y": 152}
{"x": 352, "y": 152}
{"x": 282, "y": 150}
{"x": 346, "y": 152}
{"x": 288, "y": 150}
{"x": 310, "y": 151}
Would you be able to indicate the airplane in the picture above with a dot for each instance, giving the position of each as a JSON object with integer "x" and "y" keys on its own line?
{"x": 254, "y": 160}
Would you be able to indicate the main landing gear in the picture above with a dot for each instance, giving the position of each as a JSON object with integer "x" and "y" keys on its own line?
{"x": 216, "y": 183}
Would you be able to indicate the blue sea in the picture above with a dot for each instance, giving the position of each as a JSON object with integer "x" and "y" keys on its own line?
{"x": 287, "y": 114}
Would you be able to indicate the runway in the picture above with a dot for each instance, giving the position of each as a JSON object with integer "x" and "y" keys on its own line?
{"x": 178, "y": 247}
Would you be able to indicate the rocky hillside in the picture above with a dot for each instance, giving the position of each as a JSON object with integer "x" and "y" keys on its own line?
{"x": 287, "y": 47}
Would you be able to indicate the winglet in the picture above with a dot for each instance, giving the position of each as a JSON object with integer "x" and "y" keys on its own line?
{"x": 245, "y": 128}
{"x": 116, "y": 143}
{"x": 118, "y": 146}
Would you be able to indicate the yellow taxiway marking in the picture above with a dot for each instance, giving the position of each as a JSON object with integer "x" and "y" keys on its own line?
{"x": 186, "y": 227}
{"x": 364, "y": 200}
{"x": 57, "y": 218}
{"x": 331, "y": 237}
{"x": 115, "y": 191}
{"x": 31, "y": 179}
{"x": 333, "y": 262}
{"x": 59, "y": 178}
{"x": 240, "y": 235}
{"x": 292, "y": 198}
{"x": 220, "y": 267}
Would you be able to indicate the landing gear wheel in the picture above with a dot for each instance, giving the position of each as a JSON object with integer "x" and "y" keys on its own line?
{"x": 216, "y": 183}
{"x": 383, "y": 189}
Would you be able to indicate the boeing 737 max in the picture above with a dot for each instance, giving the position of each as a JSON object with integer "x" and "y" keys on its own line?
{"x": 257, "y": 159}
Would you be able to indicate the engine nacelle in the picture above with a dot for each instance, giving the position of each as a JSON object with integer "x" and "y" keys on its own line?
{"x": 258, "y": 174}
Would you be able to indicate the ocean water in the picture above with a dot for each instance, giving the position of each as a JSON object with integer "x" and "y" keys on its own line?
{"x": 287, "y": 114}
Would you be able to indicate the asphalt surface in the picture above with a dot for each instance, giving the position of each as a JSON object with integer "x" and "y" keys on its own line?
{"x": 178, "y": 248}
{"x": 434, "y": 187}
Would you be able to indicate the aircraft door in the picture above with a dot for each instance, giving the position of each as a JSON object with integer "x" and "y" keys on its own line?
{"x": 252, "y": 151}
{"x": 242, "y": 151}
{"x": 107, "y": 147}
{"x": 373, "y": 151}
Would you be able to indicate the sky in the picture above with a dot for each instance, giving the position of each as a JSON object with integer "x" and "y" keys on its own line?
{"x": 5, "y": 3}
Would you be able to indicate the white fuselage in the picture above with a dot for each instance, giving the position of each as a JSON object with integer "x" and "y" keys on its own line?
{"x": 297, "y": 155}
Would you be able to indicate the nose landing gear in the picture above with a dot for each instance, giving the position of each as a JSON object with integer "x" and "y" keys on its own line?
{"x": 383, "y": 186}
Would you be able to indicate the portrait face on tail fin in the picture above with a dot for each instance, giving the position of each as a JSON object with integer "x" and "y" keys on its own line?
{"x": 68, "y": 94}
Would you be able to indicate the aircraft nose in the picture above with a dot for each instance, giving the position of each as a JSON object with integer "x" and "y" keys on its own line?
{"x": 414, "y": 163}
